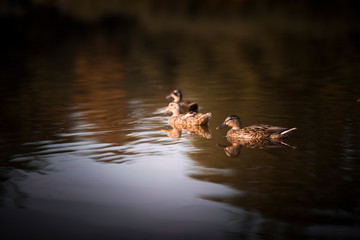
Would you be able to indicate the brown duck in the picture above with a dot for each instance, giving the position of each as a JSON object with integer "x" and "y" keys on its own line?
{"x": 260, "y": 131}
{"x": 186, "y": 106}
{"x": 185, "y": 120}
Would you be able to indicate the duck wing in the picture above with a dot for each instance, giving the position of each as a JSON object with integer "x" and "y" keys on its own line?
{"x": 193, "y": 106}
{"x": 203, "y": 119}
{"x": 189, "y": 106}
{"x": 266, "y": 128}
{"x": 189, "y": 114}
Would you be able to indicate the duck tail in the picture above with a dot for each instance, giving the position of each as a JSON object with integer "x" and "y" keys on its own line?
{"x": 287, "y": 132}
{"x": 288, "y": 145}
{"x": 204, "y": 119}
{"x": 193, "y": 106}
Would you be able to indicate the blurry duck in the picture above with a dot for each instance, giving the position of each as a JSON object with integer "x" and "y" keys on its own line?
{"x": 185, "y": 120}
{"x": 260, "y": 131}
{"x": 186, "y": 106}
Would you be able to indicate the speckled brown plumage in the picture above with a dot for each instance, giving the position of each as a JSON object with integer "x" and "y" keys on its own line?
{"x": 185, "y": 120}
{"x": 260, "y": 131}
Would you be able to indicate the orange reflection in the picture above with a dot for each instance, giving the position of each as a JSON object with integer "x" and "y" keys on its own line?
{"x": 100, "y": 96}
{"x": 175, "y": 132}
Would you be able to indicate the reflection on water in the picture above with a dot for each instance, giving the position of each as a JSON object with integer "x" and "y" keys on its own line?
{"x": 202, "y": 130}
{"x": 234, "y": 149}
{"x": 81, "y": 140}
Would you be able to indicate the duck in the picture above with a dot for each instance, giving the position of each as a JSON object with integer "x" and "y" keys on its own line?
{"x": 186, "y": 106}
{"x": 258, "y": 131}
{"x": 185, "y": 120}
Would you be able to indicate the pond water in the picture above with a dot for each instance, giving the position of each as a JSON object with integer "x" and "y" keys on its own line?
{"x": 86, "y": 153}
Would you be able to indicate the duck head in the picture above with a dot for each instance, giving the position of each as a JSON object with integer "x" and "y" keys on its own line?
{"x": 232, "y": 121}
{"x": 173, "y": 107}
{"x": 176, "y": 95}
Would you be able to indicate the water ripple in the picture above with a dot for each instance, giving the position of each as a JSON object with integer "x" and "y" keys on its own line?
{"x": 140, "y": 137}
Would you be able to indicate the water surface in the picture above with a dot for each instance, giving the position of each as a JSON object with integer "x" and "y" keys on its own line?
{"x": 84, "y": 151}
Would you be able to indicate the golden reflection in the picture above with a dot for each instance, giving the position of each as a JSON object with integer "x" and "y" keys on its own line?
{"x": 101, "y": 99}
{"x": 232, "y": 150}
{"x": 175, "y": 132}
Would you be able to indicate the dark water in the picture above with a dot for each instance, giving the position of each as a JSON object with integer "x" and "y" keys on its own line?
{"x": 84, "y": 151}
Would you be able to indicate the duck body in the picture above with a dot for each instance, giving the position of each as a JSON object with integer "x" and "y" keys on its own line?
{"x": 186, "y": 120}
{"x": 189, "y": 119}
{"x": 259, "y": 131}
{"x": 185, "y": 105}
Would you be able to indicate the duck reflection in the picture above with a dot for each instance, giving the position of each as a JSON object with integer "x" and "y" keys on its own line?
{"x": 175, "y": 132}
{"x": 234, "y": 149}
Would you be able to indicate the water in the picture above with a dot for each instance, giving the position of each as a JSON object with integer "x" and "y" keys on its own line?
{"x": 84, "y": 148}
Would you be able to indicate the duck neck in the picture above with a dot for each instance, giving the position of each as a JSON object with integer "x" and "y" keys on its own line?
{"x": 176, "y": 113}
{"x": 177, "y": 99}
{"x": 238, "y": 126}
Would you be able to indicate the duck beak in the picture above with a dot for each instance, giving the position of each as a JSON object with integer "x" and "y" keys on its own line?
{"x": 165, "y": 110}
{"x": 221, "y": 126}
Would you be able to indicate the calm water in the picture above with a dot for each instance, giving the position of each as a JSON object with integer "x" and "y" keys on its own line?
{"x": 86, "y": 153}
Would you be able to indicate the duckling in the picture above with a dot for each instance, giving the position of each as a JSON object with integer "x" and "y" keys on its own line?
{"x": 186, "y": 106}
{"x": 184, "y": 120}
{"x": 260, "y": 131}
